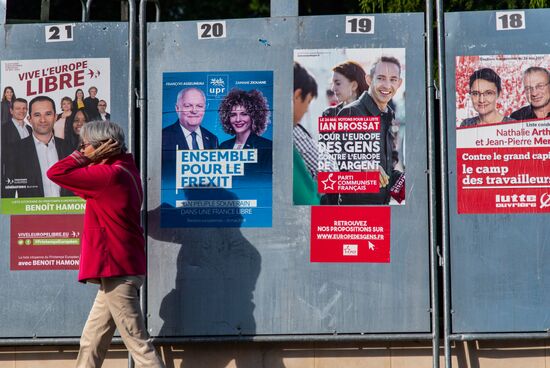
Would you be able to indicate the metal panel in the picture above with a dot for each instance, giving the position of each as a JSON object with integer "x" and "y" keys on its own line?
{"x": 53, "y": 303}
{"x": 227, "y": 281}
{"x": 499, "y": 270}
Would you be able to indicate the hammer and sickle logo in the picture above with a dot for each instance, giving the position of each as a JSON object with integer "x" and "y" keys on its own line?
{"x": 544, "y": 200}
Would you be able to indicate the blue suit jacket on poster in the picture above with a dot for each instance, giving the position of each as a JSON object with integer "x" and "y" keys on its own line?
{"x": 263, "y": 146}
{"x": 253, "y": 141}
{"x": 172, "y": 135}
{"x": 10, "y": 135}
{"x": 26, "y": 165}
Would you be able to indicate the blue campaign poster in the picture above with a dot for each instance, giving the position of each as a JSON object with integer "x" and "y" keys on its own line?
{"x": 217, "y": 134}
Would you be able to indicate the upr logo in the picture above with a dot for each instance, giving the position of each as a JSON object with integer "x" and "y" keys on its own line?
{"x": 350, "y": 250}
{"x": 217, "y": 85}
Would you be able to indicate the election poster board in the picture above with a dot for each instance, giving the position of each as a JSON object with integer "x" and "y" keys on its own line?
{"x": 503, "y": 134}
{"x": 353, "y": 149}
{"x": 178, "y": 299}
{"x": 25, "y": 188}
{"x": 217, "y": 149}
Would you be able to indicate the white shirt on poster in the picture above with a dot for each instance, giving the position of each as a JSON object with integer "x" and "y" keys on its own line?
{"x": 189, "y": 138}
{"x": 21, "y": 129}
{"x": 47, "y": 156}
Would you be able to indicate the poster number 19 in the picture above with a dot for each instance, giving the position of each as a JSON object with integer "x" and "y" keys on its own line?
{"x": 509, "y": 21}
{"x": 59, "y": 33}
{"x": 361, "y": 25}
{"x": 210, "y": 30}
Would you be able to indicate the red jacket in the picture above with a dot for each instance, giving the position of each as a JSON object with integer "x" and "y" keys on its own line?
{"x": 112, "y": 242}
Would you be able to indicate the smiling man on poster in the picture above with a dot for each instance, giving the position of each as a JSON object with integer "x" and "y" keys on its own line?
{"x": 536, "y": 84}
{"x": 384, "y": 80}
{"x": 16, "y": 129}
{"x": 37, "y": 153}
{"x": 187, "y": 132}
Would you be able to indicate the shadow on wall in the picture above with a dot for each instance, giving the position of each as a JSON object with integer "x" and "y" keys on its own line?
{"x": 492, "y": 353}
{"x": 227, "y": 355}
{"x": 217, "y": 270}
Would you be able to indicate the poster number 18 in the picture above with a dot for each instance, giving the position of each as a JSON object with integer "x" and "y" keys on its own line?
{"x": 210, "y": 30}
{"x": 361, "y": 25}
{"x": 509, "y": 21}
{"x": 59, "y": 33}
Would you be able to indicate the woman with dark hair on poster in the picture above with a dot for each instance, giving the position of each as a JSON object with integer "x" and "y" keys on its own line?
{"x": 7, "y": 103}
{"x": 485, "y": 89}
{"x": 348, "y": 83}
{"x": 73, "y": 125}
{"x": 78, "y": 102}
{"x": 246, "y": 116}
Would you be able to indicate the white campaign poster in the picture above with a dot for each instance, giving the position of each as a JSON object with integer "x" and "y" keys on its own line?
{"x": 57, "y": 78}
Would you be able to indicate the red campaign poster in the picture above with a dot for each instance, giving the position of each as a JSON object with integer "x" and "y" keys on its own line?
{"x": 506, "y": 169}
{"x": 503, "y": 134}
{"x": 48, "y": 242}
{"x": 350, "y": 234}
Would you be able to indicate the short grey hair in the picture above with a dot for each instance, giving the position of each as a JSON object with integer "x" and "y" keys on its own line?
{"x": 535, "y": 69}
{"x": 97, "y": 132}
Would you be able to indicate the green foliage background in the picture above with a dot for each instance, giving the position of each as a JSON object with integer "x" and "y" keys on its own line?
{"x": 174, "y": 10}
{"x": 402, "y": 6}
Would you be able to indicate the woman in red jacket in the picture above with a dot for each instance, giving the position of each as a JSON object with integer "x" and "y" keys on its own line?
{"x": 113, "y": 247}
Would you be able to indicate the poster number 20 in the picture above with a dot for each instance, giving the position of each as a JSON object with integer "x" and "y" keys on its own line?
{"x": 360, "y": 25}
{"x": 210, "y": 30}
{"x": 59, "y": 33}
{"x": 509, "y": 21}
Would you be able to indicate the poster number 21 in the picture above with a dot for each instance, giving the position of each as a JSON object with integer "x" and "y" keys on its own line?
{"x": 509, "y": 21}
{"x": 59, "y": 33}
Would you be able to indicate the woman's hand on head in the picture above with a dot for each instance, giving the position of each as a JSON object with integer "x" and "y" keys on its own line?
{"x": 107, "y": 149}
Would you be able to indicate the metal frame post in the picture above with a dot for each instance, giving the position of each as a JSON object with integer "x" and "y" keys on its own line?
{"x": 142, "y": 105}
{"x": 88, "y": 6}
{"x": 157, "y": 9}
{"x": 440, "y": 18}
{"x": 131, "y": 92}
{"x": 85, "y": 10}
{"x": 335, "y": 338}
{"x": 131, "y": 73}
{"x": 3, "y": 12}
{"x": 45, "y": 10}
{"x": 432, "y": 175}
{"x": 500, "y": 336}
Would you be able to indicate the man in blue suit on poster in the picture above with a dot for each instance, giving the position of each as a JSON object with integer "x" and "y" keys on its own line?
{"x": 187, "y": 132}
